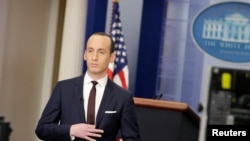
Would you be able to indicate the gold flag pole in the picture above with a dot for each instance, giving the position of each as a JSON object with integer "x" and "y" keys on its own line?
{"x": 113, "y": 1}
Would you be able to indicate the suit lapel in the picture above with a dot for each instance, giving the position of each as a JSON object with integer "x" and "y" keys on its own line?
{"x": 78, "y": 93}
{"x": 106, "y": 99}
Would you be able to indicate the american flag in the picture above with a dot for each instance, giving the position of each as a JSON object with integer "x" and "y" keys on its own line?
{"x": 118, "y": 71}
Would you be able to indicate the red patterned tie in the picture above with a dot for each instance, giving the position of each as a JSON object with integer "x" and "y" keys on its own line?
{"x": 91, "y": 104}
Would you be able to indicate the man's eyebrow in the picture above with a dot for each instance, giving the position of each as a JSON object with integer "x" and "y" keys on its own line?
{"x": 89, "y": 48}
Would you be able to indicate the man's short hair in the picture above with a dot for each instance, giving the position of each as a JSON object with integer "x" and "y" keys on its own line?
{"x": 112, "y": 45}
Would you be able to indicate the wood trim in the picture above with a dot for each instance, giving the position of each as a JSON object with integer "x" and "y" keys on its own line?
{"x": 168, "y": 105}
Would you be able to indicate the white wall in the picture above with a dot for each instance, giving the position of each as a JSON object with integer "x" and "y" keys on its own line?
{"x": 25, "y": 27}
{"x": 29, "y": 37}
{"x": 3, "y": 22}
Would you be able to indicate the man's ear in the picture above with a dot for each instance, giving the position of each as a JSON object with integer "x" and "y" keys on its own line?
{"x": 84, "y": 56}
{"x": 112, "y": 57}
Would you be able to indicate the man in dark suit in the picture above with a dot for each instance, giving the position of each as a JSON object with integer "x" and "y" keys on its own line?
{"x": 65, "y": 115}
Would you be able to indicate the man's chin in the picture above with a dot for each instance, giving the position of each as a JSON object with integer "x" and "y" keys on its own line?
{"x": 95, "y": 72}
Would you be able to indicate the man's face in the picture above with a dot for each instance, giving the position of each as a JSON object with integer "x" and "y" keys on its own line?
{"x": 97, "y": 55}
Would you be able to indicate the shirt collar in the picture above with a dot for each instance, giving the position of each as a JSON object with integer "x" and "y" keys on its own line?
{"x": 102, "y": 81}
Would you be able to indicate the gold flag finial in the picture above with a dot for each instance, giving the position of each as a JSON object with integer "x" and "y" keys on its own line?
{"x": 116, "y": 1}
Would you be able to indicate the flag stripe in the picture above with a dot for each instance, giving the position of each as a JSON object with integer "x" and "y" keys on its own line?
{"x": 122, "y": 77}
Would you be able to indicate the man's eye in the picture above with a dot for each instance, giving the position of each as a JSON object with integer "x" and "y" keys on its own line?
{"x": 101, "y": 51}
{"x": 89, "y": 50}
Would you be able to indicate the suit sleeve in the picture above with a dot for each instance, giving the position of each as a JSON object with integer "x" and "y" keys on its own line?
{"x": 129, "y": 124}
{"x": 48, "y": 127}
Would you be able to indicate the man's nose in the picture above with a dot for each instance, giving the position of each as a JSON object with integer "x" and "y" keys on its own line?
{"x": 94, "y": 57}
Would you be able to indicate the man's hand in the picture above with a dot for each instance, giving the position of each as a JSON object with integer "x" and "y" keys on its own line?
{"x": 85, "y": 131}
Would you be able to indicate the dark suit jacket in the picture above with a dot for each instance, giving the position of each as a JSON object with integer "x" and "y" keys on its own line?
{"x": 65, "y": 107}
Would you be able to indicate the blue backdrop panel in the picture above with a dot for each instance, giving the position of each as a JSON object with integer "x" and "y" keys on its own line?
{"x": 153, "y": 16}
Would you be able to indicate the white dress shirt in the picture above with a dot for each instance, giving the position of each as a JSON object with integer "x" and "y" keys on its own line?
{"x": 87, "y": 85}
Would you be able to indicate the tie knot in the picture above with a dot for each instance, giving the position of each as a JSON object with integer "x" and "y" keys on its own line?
{"x": 94, "y": 82}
